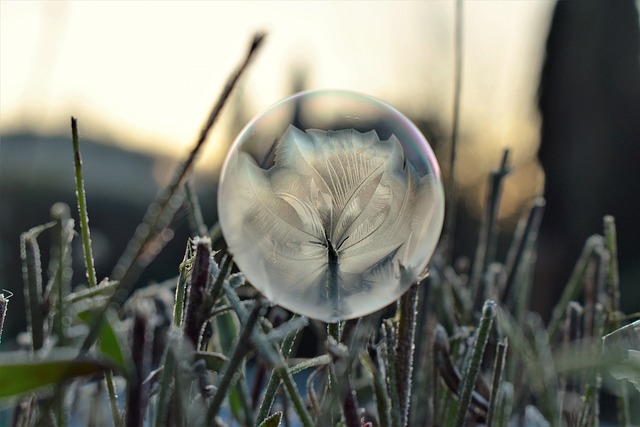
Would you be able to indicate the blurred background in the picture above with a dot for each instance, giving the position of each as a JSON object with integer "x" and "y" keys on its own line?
{"x": 559, "y": 85}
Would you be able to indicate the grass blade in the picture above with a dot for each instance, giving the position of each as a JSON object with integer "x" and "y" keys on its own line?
{"x": 498, "y": 368}
{"x": 471, "y": 374}
{"x": 32, "y": 276}
{"x": 242, "y": 347}
{"x": 82, "y": 206}
{"x": 407, "y": 306}
{"x": 21, "y": 373}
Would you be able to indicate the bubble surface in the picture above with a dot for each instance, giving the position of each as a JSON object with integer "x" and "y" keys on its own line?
{"x": 331, "y": 203}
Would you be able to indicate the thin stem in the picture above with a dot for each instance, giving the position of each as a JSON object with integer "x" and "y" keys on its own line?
{"x": 334, "y": 330}
{"x": 242, "y": 347}
{"x": 498, "y": 368}
{"x": 471, "y": 374}
{"x": 407, "y": 310}
{"x": 196, "y": 220}
{"x": 573, "y": 286}
{"x": 161, "y": 211}
{"x": 379, "y": 389}
{"x": 294, "y": 395}
{"x": 457, "y": 90}
{"x": 390, "y": 339}
{"x": 525, "y": 235}
{"x": 274, "y": 379}
{"x": 82, "y": 206}
{"x": 60, "y": 265}
{"x": 622, "y": 398}
{"x": 195, "y": 316}
{"x": 181, "y": 287}
{"x": 32, "y": 277}
{"x": 4, "y": 302}
{"x": 485, "y": 251}
{"x": 113, "y": 398}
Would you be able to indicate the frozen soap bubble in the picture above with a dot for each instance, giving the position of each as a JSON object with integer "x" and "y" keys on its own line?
{"x": 331, "y": 204}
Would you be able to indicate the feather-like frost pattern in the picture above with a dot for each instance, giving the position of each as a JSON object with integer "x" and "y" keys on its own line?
{"x": 333, "y": 192}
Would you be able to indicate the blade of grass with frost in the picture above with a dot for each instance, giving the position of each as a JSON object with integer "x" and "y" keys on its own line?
{"x": 471, "y": 374}
{"x": 4, "y": 302}
{"x": 334, "y": 214}
{"x": 32, "y": 277}
{"x": 622, "y": 398}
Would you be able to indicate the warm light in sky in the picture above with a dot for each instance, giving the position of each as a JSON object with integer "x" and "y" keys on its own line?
{"x": 146, "y": 73}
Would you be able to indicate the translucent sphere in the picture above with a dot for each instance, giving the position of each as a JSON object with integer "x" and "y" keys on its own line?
{"x": 331, "y": 204}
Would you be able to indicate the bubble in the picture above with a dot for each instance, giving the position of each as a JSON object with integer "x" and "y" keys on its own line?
{"x": 331, "y": 204}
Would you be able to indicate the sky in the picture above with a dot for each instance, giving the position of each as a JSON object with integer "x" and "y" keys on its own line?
{"x": 145, "y": 74}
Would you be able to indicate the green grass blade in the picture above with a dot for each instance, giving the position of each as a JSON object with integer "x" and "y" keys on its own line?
{"x": 272, "y": 421}
{"x": 82, "y": 206}
{"x": 573, "y": 287}
{"x": 21, "y": 373}
{"x": 32, "y": 276}
{"x": 471, "y": 374}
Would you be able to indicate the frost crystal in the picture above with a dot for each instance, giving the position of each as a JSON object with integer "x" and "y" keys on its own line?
{"x": 341, "y": 223}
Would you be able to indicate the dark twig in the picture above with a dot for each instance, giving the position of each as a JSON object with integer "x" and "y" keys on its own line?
{"x": 457, "y": 89}
{"x": 160, "y": 213}
{"x": 525, "y": 234}
{"x": 485, "y": 250}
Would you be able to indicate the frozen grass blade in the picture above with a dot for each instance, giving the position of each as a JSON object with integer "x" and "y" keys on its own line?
{"x": 274, "y": 380}
{"x": 60, "y": 266}
{"x": 390, "y": 339}
{"x": 622, "y": 396}
{"x": 32, "y": 277}
{"x": 272, "y": 421}
{"x": 4, "y": 302}
{"x": 137, "y": 392}
{"x": 82, "y": 207}
{"x": 471, "y": 374}
{"x": 498, "y": 368}
{"x": 407, "y": 312}
{"x": 240, "y": 352}
{"x": 196, "y": 220}
{"x": 161, "y": 212}
{"x": 195, "y": 316}
{"x": 524, "y": 236}
{"x": 88, "y": 252}
{"x": 274, "y": 358}
{"x": 486, "y": 247}
{"x": 573, "y": 287}
{"x": 450, "y": 225}
{"x": 181, "y": 287}
{"x": 379, "y": 389}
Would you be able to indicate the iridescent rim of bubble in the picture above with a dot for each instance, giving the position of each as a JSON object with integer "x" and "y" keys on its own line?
{"x": 258, "y": 144}
{"x": 343, "y": 101}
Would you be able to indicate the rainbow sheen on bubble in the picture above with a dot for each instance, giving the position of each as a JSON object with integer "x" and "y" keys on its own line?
{"x": 331, "y": 204}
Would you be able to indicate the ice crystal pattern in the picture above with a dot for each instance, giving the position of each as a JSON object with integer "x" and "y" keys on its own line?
{"x": 339, "y": 226}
